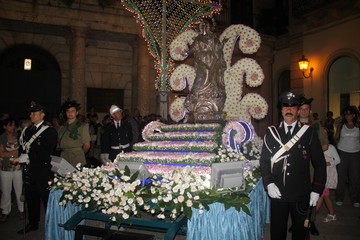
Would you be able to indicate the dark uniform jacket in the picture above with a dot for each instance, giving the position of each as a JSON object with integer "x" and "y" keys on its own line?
{"x": 291, "y": 174}
{"x": 39, "y": 154}
{"x": 116, "y": 137}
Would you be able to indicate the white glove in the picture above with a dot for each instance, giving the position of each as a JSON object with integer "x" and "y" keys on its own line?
{"x": 273, "y": 191}
{"x": 314, "y": 197}
{"x": 24, "y": 158}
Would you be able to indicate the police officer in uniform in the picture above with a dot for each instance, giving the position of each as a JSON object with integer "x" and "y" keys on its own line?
{"x": 117, "y": 136}
{"x": 39, "y": 142}
{"x": 285, "y": 170}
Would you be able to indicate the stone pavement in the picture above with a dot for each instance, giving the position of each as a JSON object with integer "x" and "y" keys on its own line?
{"x": 346, "y": 227}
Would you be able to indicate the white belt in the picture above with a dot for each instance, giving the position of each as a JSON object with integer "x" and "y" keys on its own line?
{"x": 120, "y": 146}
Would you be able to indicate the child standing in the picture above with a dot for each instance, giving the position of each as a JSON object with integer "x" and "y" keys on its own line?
{"x": 332, "y": 159}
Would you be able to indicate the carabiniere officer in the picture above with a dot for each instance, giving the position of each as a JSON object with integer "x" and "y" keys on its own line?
{"x": 288, "y": 150}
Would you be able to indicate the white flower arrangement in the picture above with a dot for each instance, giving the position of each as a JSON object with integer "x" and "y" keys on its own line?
{"x": 196, "y": 146}
{"x": 249, "y": 41}
{"x": 176, "y": 110}
{"x": 108, "y": 189}
{"x": 255, "y": 105}
{"x": 182, "y": 136}
{"x": 227, "y": 154}
{"x": 186, "y": 127}
{"x": 117, "y": 193}
{"x": 150, "y": 128}
{"x": 239, "y": 133}
{"x": 183, "y": 75}
{"x": 179, "y": 47}
{"x": 251, "y": 150}
{"x": 168, "y": 157}
{"x": 156, "y": 168}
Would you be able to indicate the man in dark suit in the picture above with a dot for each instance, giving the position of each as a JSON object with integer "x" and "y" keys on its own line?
{"x": 117, "y": 136}
{"x": 39, "y": 142}
{"x": 285, "y": 168}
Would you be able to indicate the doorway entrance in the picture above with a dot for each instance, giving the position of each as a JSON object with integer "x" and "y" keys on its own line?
{"x": 42, "y": 83}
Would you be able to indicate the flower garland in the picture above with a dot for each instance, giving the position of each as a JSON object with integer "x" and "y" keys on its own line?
{"x": 201, "y": 135}
{"x": 168, "y": 157}
{"x": 194, "y": 146}
{"x": 186, "y": 127}
{"x": 150, "y": 128}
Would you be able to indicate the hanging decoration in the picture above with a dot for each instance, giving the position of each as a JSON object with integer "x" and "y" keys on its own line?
{"x": 162, "y": 21}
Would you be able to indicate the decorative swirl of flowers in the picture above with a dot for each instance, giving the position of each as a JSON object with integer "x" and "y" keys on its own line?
{"x": 234, "y": 78}
{"x": 249, "y": 41}
{"x": 176, "y": 110}
{"x": 182, "y": 75}
{"x": 179, "y": 48}
{"x": 239, "y": 133}
{"x": 255, "y": 105}
{"x": 150, "y": 128}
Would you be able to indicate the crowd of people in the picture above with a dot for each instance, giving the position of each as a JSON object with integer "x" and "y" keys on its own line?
{"x": 27, "y": 146}
{"x": 302, "y": 159}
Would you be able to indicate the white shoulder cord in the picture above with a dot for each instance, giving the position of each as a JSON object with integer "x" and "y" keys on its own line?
{"x": 26, "y": 145}
{"x": 277, "y": 156}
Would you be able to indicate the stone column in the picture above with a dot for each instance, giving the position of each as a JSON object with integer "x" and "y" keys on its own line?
{"x": 144, "y": 62}
{"x": 77, "y": 67}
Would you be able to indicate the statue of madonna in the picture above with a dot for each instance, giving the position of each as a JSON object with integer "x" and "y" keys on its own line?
{"x": 207, "y": 95}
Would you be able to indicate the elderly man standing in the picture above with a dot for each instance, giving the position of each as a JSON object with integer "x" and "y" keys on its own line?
{"x": 117, "y": 136}
{"x": 285, "y": 168}
{"x": 39, "y": 142}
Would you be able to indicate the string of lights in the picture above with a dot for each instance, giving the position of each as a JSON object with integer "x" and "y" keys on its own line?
{"x": 161, "y": 21}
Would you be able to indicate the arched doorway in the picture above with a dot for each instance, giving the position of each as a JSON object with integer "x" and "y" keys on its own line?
{"x": 344, "y": 84}
{"x": 19, "y": 87}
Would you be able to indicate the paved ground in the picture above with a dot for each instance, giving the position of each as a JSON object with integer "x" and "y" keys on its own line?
{"x": 347, "y": 227}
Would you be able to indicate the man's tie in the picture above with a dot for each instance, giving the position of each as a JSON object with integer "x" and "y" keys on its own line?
{"x": 288, "y": 134}
{"x": 117, "y": 125}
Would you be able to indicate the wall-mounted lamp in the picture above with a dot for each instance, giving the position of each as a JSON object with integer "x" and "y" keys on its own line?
{"x": 303, "y": 66}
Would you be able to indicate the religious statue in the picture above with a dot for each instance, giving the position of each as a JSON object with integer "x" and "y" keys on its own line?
{"x": 207, "y": 96}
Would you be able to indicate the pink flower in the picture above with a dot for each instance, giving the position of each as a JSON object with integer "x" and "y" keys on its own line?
{"x": 181, "y": 199}
{"x": 254, "y": 76}
{"x": 249, "y": 42}
{"x": 258, "y": 110}
{"x": 178, "y": 50}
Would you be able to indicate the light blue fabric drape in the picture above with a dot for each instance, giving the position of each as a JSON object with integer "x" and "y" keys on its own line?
{"x": 215, "y": 224}
{"x": 56, "y": 215}
{"x": 221, "y": 224}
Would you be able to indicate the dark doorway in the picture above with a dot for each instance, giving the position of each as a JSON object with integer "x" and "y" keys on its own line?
{"x": 19, "y": 87}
